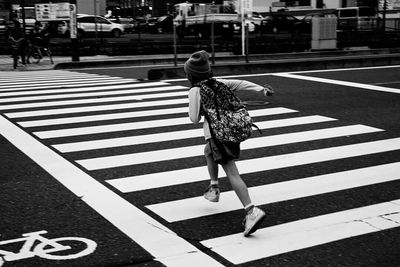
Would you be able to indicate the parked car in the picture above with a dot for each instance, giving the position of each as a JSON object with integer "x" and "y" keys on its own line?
{"x": 140, "y": 24}
{"x": 126, "y": 22}
{"x": 279, "y": 22}
{"x": 356, "y": 18}
{"x": 87, "y": 24}
{"x": 160, "y": 24}
{"x": 254, "y": 22}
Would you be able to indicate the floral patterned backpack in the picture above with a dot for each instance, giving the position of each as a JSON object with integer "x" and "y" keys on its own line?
{"x": 229, "y": 120}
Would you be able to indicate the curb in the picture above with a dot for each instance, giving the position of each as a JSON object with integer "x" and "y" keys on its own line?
{"x": 167, "y": 59}
{"x": 228, "y": 64}
{"x": 299, "y": 64}
{"x": 181, "y": 58}
{"x": 113, "y": 62}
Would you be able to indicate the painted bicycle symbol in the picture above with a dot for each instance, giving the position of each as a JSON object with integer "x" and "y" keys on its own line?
{"x": 37, "y": 245}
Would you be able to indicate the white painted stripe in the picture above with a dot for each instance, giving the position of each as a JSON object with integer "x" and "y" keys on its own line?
{"x": 104, "y": 117}
{"x": 32, "y": 88}
{"x": 53, "y": 76}
{"x": 43, "y": 76}
{"x": 127, "y": 141}
{"x": 192, "y": 151}
{"x": 101, "y": 94}
{"x": 343, "y": 83}
{"x": 391, "y": 82}
{"x": 178, "y": 135}
{"x": 165, "y": 245}
{"x": 169, "y": 178}
{"x": 305, "y": 233}
{"x": 29, "y": 89}
{"x": 107, "y": 107}
{"x": 16, "y": 80}
{"x": 34, "y": 80}
{"x": 303, "y": 71}
{"x": 140, "y": 125}
{"x": 348, "y": 69}
{"x": 270, "y": 124}
{"x": 92, "y": 88}
{"x": 77, "y": 101}
{"x": 5, "y": 73}
{"x": 271, "y": 193}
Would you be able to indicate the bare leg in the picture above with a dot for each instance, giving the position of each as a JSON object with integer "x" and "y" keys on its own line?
{"x": 211, "y": 165}
{"x": 237, "y": 182}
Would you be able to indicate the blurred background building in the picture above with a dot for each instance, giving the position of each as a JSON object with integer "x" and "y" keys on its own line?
{"x": 140, "y": 8}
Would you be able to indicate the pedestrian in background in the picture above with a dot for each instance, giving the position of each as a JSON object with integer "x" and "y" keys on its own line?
{"x": 16, "y": 40}
{"x": 197, "y": 69}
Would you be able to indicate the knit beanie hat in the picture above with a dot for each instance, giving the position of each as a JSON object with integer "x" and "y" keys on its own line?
{"x": 197, "y": 65}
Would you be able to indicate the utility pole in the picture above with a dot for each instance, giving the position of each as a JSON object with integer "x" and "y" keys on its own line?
{"x": 74, "y": 31}
{"x": 24, "y": 42}
{"x": 384, "y": 16}
{"x": 23, "y": 18}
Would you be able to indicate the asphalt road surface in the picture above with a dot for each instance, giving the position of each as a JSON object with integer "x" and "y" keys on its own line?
{"x": 101, "y": 169}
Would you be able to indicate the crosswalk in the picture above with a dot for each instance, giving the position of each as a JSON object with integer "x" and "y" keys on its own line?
{"x": 104, "y": 124}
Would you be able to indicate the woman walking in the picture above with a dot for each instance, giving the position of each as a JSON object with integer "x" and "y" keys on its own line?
{"x": 198, "y": 72}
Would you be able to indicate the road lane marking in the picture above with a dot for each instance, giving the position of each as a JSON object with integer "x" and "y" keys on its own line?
{"x": 305, "y": 233}
{"x": 141, "y": 125}
{"x": 105, "y": 93}
{"x": 338, "y": 82}
{"x": 196, "y": 174}
{"x": 195, "y": 207}
{"x": 349, "y": 69}
{"x": 107, "y": 107}
{"x": 46, "y": 83}
{"x": 85, "y": 101}
{"x": 193, "y": 151}
{"x": 165, "y": 245}
{"x": 176, "y": 135}
{"x": 78, "y": 86}
{"x": 299, "y": 72}
{"x": 104, "y": 117}
{"x": 31, "y": 87}
{"x": 383, "y": 83}
{"x": 5, "y": 76}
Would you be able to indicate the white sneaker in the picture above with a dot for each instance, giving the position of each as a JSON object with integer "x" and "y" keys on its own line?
{"x": 253, "y": 220}
{"x": 212, "y": 193}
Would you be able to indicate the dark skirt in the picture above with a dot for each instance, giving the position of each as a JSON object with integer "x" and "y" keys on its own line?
{"x": 222, "y": 152}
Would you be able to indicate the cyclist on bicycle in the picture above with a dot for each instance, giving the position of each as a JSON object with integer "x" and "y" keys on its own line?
{"x": 37, "y": 38}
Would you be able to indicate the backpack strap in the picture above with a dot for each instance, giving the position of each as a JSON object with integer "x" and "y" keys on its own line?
{"x": 230, "y": 92}
{"x": 240, "y": 106}
{"x": 258, "y": 129}
{"x": 204, "y": 83}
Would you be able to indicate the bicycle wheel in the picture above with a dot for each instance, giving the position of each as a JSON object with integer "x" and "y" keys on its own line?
{"x": 78, "y": 245}
{"x": 36, "y": 56}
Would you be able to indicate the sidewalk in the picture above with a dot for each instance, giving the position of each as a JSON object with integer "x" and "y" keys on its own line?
{"x": 163, "y": 67}
{"x": 6, "y": 61}
{"x": 65, "y": 62}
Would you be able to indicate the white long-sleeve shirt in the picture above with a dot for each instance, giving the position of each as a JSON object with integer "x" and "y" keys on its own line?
{"x": 254, "y": 90}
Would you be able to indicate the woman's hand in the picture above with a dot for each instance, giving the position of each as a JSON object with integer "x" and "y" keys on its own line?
{"x": 268, "y": 90}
